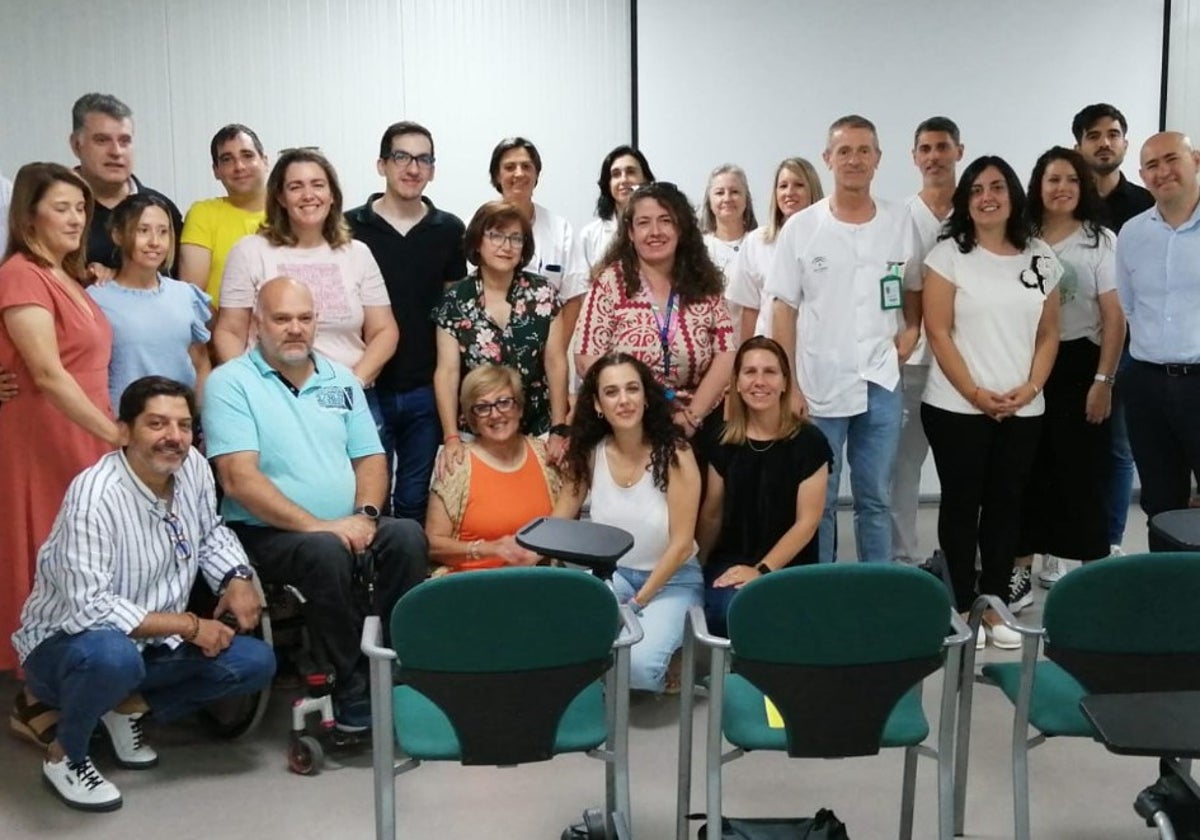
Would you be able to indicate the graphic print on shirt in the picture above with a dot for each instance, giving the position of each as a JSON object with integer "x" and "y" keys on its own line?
{"x": 1068, "y": 284}
{"x": 324, "y": 280}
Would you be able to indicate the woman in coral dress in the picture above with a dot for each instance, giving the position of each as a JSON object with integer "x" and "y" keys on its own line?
{"x": 57, "y": 342}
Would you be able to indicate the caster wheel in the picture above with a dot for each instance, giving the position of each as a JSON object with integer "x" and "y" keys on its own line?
{"x": 305, "y": 756}
{"x": 594, "y": 824}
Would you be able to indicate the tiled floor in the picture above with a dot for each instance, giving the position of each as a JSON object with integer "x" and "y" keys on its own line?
{"x": 205, "y": 789}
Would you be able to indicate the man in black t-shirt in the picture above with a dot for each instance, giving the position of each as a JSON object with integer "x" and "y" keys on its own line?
{"x": 1100, "y": 137}
{"x": 419, "y": 249}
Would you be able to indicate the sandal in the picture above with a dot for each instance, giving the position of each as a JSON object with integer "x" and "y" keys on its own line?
{"x": 35, "y": 722}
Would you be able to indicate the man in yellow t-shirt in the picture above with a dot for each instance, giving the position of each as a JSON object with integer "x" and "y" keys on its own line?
{"x": 215, "y": 224}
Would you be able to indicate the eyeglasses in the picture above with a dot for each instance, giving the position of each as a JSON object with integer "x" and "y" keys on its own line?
{"x": 503, "y": 405}
{"x": 404, "y": 159}
{"x": 183, "y": 549}
{"x": 514, "y": 240}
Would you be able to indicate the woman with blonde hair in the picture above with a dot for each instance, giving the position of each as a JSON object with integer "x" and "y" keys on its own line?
{"x": 796, "y": 186}
{"x": 766, "y": 481}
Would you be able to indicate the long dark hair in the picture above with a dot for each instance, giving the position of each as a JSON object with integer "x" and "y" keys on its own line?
{"x": 589, "y": 427}
{"x": 1088, "y": 210}
{"x": 694, "y": 274}
{"x": 606, "y": 205}
{"x": 961, "y": 227}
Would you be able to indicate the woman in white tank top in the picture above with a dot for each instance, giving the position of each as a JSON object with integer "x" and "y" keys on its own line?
{"x": 642, "y": 475}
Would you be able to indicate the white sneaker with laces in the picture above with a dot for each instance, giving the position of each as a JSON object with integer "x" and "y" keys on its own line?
{"x": 80, "y": 785}
{"x": 129, "y": 747}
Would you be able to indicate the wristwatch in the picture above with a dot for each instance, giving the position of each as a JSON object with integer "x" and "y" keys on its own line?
{"x": 763, "y": 569}
{"x": 369, "y": 511}
{"x": 238, "y": 572}
{"x": 1107, "y": 379}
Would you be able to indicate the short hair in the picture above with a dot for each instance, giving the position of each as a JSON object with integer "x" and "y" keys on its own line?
{"x": 504, "y": 147}
{"x": 277, "y": 227}
{"x": 29, "y": 186}
{"x": 483, "y": 380}
{"x": 396, "y": 129}
{"x": 1089, "y": 210}
{"x": 491, "y": 215}
{"x": 735, "y": 425}
{"x": 694, "y": 274}
{"x": 961, "y": 227}
{"x": 851, "y": 121}
{"x": 708, "y": 220}
{"x": 606, "y": 205}
{"x": 230, "y": 132}
{"x": 128, "y": 214}
{"x": 141, "y": 391}
{"x": 944, "y": 125}
{"x": 797, "y": 166}
{"x": 1092, "y": 114}
{"x": 97, "y": 103}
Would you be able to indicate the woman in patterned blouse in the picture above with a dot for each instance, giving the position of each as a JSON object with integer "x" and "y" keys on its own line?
{"x": 659, "y": 299}
{"x": 501, "y": 314}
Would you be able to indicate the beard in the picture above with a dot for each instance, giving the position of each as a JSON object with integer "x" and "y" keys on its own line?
{"x": 1102, "y": 168}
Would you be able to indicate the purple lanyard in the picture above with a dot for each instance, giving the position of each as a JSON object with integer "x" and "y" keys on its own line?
{"x": 666, "y": 329}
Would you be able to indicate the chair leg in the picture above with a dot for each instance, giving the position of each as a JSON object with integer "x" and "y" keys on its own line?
{"x": 1020, "y": 738}
{"x": 687, "y": 704}
{"x": 618, "y": 806}
{"x": 947, "y": 722}
{"x": 712, "y": 752}
{"x": 383, "y": 747}
{"x": 908, "y": 793}
{"x": 962, "y": 740}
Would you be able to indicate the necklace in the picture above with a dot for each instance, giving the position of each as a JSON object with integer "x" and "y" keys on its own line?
{"x": 614, "y": 467}
{"x": 754, "y": 448}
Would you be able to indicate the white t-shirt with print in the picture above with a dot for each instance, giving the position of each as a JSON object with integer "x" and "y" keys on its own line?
{"x": 1088, "y": 272}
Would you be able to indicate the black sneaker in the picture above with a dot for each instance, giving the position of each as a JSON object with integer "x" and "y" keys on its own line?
{"x": 352, "y": 713}
{"x": 1020, "y": 589}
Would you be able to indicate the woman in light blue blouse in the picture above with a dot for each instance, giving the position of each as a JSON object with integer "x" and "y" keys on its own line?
{"x": 160, "y": 325}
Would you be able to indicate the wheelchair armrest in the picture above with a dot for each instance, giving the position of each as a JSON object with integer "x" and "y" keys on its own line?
{"x": 699, "y": 627}
{"x": 372, "y": 639}
{"x": 631, "y": 629}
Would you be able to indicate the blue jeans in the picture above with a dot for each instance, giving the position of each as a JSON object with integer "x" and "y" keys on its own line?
{"x": 1120, "y": 477}
{"x": 409, "y": 430}
{"x": 84, "y": 675}
{"x": 662, "y": 621}
{"x": 870, "y": 440}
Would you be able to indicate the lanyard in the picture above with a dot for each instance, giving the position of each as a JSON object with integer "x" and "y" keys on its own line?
{"x": 666, "y": 329}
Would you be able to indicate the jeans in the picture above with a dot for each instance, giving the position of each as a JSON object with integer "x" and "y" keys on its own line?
{"x": 84, "y": 675}
{"x": 910, "y": 457}
{"x": 870, "y": 440}
{"x": 1120, "y": 476}
{"x": 662, "y": 620}
{"x": 409, "y": 430}
{"x": 321, "y": 567}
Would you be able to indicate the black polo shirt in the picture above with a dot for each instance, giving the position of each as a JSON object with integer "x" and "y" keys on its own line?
{"x": 416, "y": 268}
{"x": 1124, "y": 202}
{"x": 102, "y": 249}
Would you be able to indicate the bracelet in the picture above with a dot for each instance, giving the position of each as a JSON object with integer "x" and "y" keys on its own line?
{"x": 1106, "y": 378}
{"x": 194, "y": 630}
{"x": 449, "y": 438}
{"x": 560, "y": 429}
{"x": 1036, "y": 388}
{"x": 473, "y": 549}
{"x": 693, "y": 421}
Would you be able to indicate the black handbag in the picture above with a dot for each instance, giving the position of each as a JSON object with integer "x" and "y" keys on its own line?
{"x": 824, "y": 826}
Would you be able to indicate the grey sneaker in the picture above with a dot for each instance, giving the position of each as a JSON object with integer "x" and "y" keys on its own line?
{"x": 1020, "y": 589}
{"x": 1054, "y": 568}
{"x": 80, "y": 785}
{"x": 128, "y": 741}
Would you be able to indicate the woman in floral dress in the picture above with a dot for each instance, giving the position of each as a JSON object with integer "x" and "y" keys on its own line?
{"x": 501, "y": 314}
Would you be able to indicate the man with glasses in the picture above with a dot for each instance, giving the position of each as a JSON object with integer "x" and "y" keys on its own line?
{"x": 107, "y": 615}
{"x": 304, "y": 475}
{"x": 419, "y": 249}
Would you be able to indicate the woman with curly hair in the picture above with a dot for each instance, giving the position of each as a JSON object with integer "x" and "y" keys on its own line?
{"x": 991, "y": 316}
{"x": 660, "y": 300}
{"x": 625, "y": 449}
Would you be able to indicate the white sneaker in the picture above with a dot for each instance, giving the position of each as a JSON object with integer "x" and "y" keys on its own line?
{"x": 980, "y": 638}
{"x": 125, "y": 733}
{"x": 1003, "y": 637}
{"x": 1054, "y": 568}
{"x": 80, "y": 785}
{"x": 1115, "y": 551}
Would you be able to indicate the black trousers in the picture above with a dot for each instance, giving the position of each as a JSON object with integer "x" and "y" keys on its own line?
{"x": 983, "y": 467}
{"x": 1162, "y": 409}
{"x": 321, "y": 567}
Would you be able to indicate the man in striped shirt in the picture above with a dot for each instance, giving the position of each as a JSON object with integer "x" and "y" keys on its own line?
{"x": 107, "y": 616}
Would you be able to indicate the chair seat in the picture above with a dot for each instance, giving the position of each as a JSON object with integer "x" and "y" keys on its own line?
{"x": 1054, "y": 708}
{"x": 424, "y": 732}
{"x": 744, "y": 719}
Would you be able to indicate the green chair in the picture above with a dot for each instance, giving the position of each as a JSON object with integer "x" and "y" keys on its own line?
{"x": 842, "y": 651}
{"x": 1113, "y": 626}
{"x": 502, "y": 668}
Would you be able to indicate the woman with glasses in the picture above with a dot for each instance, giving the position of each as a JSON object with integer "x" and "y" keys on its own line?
{"x": 659, "y": 299}
{"x": 504, "y": 481}
{"x": 306, "y": 238}
{"x": 501, "y": 314}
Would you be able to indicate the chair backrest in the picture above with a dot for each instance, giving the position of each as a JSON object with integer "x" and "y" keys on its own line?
{"x": 1128, "y": 624}
{"x": 839, "y": 644}
{"x": 504, "y": 652}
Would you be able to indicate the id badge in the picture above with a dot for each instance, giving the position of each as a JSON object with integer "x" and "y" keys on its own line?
{"x": 891, "y": 292}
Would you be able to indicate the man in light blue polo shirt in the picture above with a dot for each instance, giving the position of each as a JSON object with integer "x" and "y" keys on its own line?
{"x": 304, "y": 475}
{"x": 1158, "y": 280}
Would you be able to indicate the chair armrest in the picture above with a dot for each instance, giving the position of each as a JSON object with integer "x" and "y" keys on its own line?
{"x": 372, "y": 639}
{"x": 1006, "y": 616}
{"x": 631, "y": 629}
{"x": 699, "y": 626}
{"x": 962, "y": 632}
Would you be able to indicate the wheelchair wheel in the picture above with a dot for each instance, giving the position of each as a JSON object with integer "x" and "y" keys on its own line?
{"x": 233, "y": 717}
{"x": 595, "y": 825}
{"x": 305, "y": 756}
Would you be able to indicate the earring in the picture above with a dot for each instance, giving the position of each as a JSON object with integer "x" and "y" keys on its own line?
{"x": 600, "y": 414}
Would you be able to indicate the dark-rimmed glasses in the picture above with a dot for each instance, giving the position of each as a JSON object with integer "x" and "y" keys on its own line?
{"x": 503, "y": 405}
{"x": 183, "y": 548}
{"x": 400, "y": 158}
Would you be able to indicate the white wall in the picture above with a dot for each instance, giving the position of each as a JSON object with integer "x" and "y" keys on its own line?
{"x": 329, "y": 73}
{"x": 1183, "y": 90}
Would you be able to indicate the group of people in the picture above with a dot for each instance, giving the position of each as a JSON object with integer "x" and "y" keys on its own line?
{"x": 386, "y": 380}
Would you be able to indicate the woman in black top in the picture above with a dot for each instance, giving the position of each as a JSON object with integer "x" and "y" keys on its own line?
{"x": 766, "y": 481}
